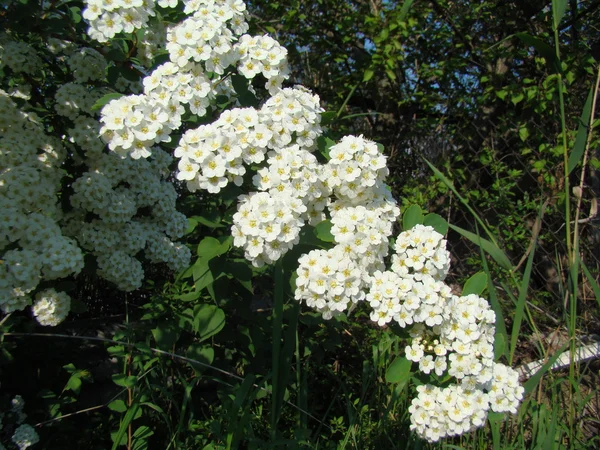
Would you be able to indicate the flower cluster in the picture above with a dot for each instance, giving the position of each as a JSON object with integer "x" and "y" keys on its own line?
{"x": 115, "y": 190}
{"x": 51, "y": 307}
{"x": 329, "y": 281}
{"x": 87, "y": 64}
{"x": 451, "y": 335}
{"x": 20, "y": 57}
{"x": 24, "y": 435}
{"x": 106, "y": 19}
{"x": 421, "y": 251}
{"x": 206, "y": 36}
{"x": 33, "y": 245}
{"x": 122, "y": 210}
{"x": 437, "y": 412}
{"x": 213, "y": 155}
{"x": 267, "y": 226}
{"x": 356, "y": 167}
{"x": 262, "y": 55}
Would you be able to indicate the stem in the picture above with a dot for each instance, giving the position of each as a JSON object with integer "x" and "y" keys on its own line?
{"x": 584, "y": 162}
{"x": 277, "y": 324}
{"x": 571, "y": 254}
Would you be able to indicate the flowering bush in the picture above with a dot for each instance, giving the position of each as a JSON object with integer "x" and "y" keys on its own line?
{"x": 68, "y": 196}
{"x": 450, "y": 334}
{"x": 53, "y": 218}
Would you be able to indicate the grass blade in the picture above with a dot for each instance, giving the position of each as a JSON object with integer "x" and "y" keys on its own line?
{"x": 501, "y": 334}
{"x": 533, "y": 381}
{"x": 582, "y": 132}
{"x": 592, "y": 281}
{"x": 490, "y": 248}
{"x": 520, "y": 307}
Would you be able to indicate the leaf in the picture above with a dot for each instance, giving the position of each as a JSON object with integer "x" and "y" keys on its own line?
{"x": 239, "y": 83}
{"x": 582, "y": 132}
{"x": 499, "y": 345}
{"x": 323, "y": 231}
{"x": 411, "y": 217}
{"x": 143, "y": 432}
{"x": 523, "y": 133}
{"x": 129, "y": 417}
{"x": 490, "y": 248}
{"x": 543, "y": 49}
{"x": 517, "y": 98}
{"x": 558, "y": 11}
{"x": 328, "y": 117}
{"x": 520, "y": 306}
{"x": 209, "y": 247}
{"x": 405, "y": 8}
{"x": 501, "y": 94}
{"x": 436, "y": 221}
{"x": 475, "y": 285}
{"x": 203, "y": 354}
{"x": 123, "y": 380}
{"x": 117, "y": 406}
{"x": 102, "y": 101}
{"x": 592, "y": 281}
{"x": 240, "y": 271}
{"x": 208, "y": 321}
{"x": 399, "y": 370}
{"x": 368, "y": 74}
{"x": 533, "y": 381}
{"x": 166, "y": 334}
{"x": 324, "y": 144}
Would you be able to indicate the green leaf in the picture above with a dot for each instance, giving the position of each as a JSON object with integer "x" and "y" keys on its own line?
{"x": 75, "y": 13}
{"x": 592, "y": 281}
{"x": 532, "y": 383}
{"x": 74, "y": 383}
{"x": 328, "y": 117}
{"x": 240, "y": 271}
{"x": 324, "y": 144}
{"x": 438, "y": 223}
{"x": 127, "y": 419}
{"x": 203, "y": 354}
{"x": 399, "y": 370}
{"x": 323, "y": 231}
{"x": 70, "y": 368}
{"x": 558, "y": 11}
{"x": 523, "y": 133}
{"x": 475, "y": 285}
{"x": 102, "y": 101}
{"x": 411, "y": 217}
{"x": 166, "y": 334}
{"x": 501, "y": 94}
{"x": 499, "y": 345}
{"x": 405, "y": 8}
{"x": 239, "y": 83}
{"x": 209, "y": 247}
{"x": 582, "y": 133}
{"x": 123, "y": 380}
{"x": 517, "y": 98}
{"x": 520, "y": 306}
{"x": 143, "y": 432}
{"x": 117, "y": 406}
{"x": 368, "y": 74}
{"x": 490, "y": 248}
{"x": 543, "y": 49}
{"x": 208, "y": 321}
